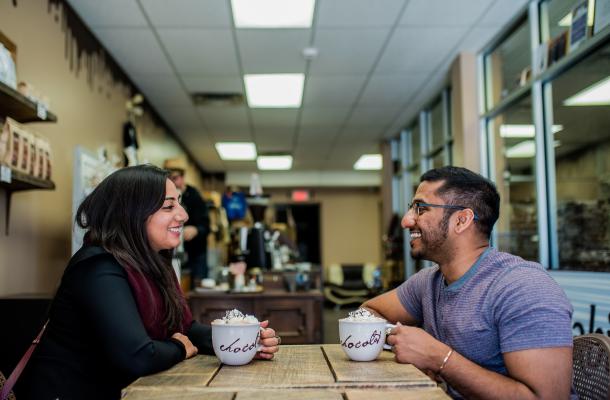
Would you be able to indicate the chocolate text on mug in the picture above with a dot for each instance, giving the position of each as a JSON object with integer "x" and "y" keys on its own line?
{"x": 374, "y": 339}
{"x": 237, "y": 348}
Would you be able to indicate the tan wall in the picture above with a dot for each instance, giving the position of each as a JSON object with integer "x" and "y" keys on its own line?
{"x": 33, "y": 256}
{"x": 350, "y": 223}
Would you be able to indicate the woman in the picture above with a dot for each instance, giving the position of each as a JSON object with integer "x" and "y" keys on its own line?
{"x": 119, "y": 313}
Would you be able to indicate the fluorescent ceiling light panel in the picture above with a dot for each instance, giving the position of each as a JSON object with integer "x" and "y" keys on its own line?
{"x": 274, "y": 162}
{"x": 273, "y": 13}
{"x": 369, "y": 162}
{"x": 522, "y": 130}
{"x": 525, "y": 149}
{"x": 236, "y": 150}
{"x": 274, "y": 90}
{"x": 597, "y": 94}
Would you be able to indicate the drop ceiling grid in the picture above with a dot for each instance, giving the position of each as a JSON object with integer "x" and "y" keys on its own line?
{"x": 135, "y": 49}
{"x": 190, "y": 50}
{"x": 264, "y": 51}
{"x": 364, "y": 64}
{"x": 165, "y": 89}
{"x": 188, "y": 13}
{"x": 365, "y": 43}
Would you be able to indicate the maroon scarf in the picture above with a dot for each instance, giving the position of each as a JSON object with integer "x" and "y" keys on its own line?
{"x": 151, "y": 307}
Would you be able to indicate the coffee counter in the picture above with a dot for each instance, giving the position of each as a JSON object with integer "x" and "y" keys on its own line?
{"x": 296, "y": 372}
{"x": 295, "y": 316}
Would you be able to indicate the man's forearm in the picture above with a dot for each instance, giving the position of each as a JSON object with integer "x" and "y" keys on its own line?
{"x": 475, "y": 382}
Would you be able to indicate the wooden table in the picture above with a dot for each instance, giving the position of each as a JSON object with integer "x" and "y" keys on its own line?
{"x": 295, "y": 316}
{"x": 297, "y": 372}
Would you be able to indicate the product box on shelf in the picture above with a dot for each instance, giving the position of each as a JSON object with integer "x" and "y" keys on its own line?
{"x": 25, "y": 151}
{"x": 8, "y": 61}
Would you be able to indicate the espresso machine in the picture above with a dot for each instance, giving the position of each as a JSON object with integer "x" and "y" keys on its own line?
{"x": 256, "y": 249}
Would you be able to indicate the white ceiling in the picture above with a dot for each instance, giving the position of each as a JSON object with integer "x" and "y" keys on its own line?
{"x": 379, "y": 62}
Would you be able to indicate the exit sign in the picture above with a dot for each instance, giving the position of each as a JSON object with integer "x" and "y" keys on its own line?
{"x": 300, "y": 195}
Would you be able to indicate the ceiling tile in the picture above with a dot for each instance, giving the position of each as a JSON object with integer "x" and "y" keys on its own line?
{"x": 135, "y": 49}
{"x": 213, "y": 84}
{"x": 502, "y": 12}
{"x": 369, "y": 115}
{"x": 201, "y": 51}
{"x": 188, "y": 13}
{"x": 477, "y": 38}
{"x": 248, "y": 166}
{"x": 339, "y": 90}
{"x": 231, "y": 134}
{"x": 357, "y": 13}
{"x": 115, "y": 13}
{"x": 361, "y": 133}
{"x": 218, "y": 117}
{"x": 273, "y": 117}
{"x": 264, "y": 51}
{"x": 317, "y": 135}
{"x": 164, "y": 89}
{"x": 444, "y": 12}
{"x": 274, "y": 139}
{"x": 324, "y": 115}
{"x": 418, "y": 49}
{"x": 392, "y": 88}
{"x": 181, "y": 118}
{"x": 347, "y": 51}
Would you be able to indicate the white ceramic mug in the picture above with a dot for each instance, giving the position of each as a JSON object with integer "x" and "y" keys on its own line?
{"x": 362, "y": 340}
{"x": 388, "y": 328}
{"x": 236, "y": 344}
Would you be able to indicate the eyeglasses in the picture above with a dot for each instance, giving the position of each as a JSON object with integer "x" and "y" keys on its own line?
{"x": 418, "y": 208}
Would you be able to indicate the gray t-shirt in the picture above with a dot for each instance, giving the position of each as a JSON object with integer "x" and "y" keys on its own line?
{"x": 501, "y": 304}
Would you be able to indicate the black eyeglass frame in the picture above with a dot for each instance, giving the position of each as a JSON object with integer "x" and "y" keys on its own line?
{"x": 418, "y": 204}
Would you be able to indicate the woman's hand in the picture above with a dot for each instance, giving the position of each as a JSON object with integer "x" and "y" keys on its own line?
{"x": 270, "y": 342}
{"x": 191, "y": 350}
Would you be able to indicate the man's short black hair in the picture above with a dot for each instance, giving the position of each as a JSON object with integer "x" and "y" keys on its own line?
{"x": 465, "y": 188}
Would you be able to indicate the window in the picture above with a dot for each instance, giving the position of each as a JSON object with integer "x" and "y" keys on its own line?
{"x": 581, "y": 125}
{"x": 507, "y": 67}
{"x": 556, "y": 16}
{"x": 513, "y": 149}
{"x": 436, "y": 125}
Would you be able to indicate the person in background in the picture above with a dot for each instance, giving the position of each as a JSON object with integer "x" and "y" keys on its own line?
{"x": 198, "y": 226}
{"x": 488, "y": 323}
{"x": 119, "y": 313}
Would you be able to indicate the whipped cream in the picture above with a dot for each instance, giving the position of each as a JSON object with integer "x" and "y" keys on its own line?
{"x": 363, "y": 315}
{"x": 234, "y": 317}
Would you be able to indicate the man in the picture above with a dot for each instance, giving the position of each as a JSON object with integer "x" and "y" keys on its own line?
{"x": 196, "y": 229}
{"x": 493, "y": 326}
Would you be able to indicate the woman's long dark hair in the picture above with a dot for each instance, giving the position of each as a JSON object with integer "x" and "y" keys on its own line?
{"x": 115, "y": 216}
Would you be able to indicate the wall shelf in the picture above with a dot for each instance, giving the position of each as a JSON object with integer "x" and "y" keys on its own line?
{"x": 15, "y": 105}
{"x": 20, "y": 182}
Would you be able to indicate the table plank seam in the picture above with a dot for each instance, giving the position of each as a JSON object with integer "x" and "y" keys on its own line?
{"x": 332, "y": 370}
{"x": 214, "y": 376}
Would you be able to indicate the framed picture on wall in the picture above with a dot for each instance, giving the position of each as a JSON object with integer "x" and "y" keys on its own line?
{"x": 89, "y": 170}
{"x": 578, "y": 27}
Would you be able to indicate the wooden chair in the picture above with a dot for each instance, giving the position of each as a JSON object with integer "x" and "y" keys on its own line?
{"x": 11, "y": 396}
{"x": 591, "y": 359}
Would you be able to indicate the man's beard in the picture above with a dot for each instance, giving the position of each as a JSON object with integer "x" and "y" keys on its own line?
{"x": 432, "y": 242}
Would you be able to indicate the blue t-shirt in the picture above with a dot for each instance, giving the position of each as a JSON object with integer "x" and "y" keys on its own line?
{"x": 501, "y": 304}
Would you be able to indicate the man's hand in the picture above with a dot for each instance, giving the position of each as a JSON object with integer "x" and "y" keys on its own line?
{"x": 189, "y": 232}
{"x": 416, "y": 346}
